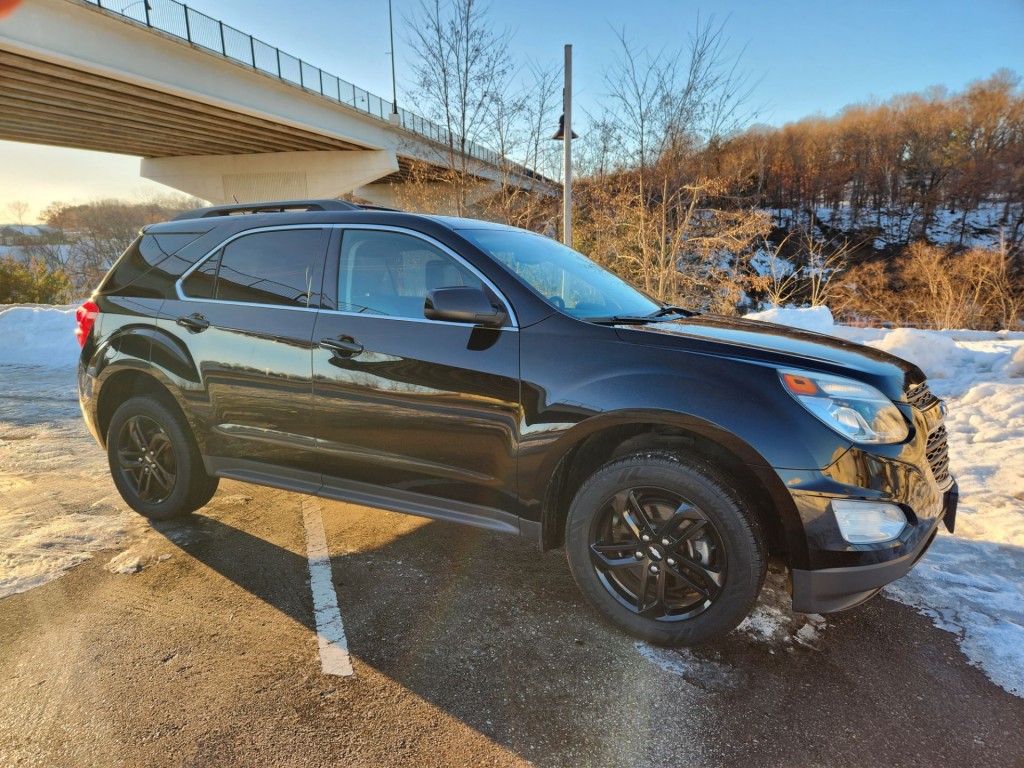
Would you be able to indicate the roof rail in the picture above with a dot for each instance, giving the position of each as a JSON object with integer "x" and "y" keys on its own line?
{"x": 272, "y": 206}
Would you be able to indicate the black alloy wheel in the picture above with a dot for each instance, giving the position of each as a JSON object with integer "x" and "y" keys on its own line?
{"x": 664, "y": 548}
{"x": 146, "y": 458}
{"x": 659, "y": 554}
{"x": 154, "y": 459}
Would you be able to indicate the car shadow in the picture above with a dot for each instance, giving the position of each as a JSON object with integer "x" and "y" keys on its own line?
{"x": 270, "y": 572}
{"x": 494, "y": 633}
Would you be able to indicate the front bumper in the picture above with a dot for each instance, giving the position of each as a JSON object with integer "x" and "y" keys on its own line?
{"x": 835, "y": 589}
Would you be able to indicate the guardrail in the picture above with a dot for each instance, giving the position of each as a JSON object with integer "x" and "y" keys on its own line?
{"x": 177, "y": 19}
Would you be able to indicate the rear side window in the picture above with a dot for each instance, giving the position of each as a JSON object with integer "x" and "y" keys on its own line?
{"x": 148, "y": 257}
{"x": 200, "y": 284}
{"x": 277, "y": 267}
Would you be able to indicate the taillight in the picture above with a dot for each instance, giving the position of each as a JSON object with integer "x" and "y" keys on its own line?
{"x": 86, "y": 316}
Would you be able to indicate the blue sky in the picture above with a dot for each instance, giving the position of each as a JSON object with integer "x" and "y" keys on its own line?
{"x": 810, "y": 57}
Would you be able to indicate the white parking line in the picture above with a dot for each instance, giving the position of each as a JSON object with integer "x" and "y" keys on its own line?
{"x": 330, "y": 631}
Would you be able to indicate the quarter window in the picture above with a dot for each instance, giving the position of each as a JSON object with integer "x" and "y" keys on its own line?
{"x": 276, "y": 267}
{"x": 388, "y": 273}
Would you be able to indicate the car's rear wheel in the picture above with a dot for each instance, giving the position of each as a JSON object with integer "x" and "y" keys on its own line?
{"x": 663, "y": 548}
{"x": 154, "y": 460}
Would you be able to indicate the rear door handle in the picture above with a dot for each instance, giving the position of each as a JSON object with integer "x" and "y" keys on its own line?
{"x": 194, "y": 322}
{"x": 346, "y": 346}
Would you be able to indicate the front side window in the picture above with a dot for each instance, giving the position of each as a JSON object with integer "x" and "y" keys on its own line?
{"x": 276, "y": 267}
{"x": 389, "y": 273}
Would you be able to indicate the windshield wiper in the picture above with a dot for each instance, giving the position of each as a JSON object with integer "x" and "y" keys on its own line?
{"x": 668, "y": 312}
{"x": 669, "y": 309}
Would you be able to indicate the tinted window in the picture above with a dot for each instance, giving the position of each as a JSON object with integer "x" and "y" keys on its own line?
{"x": 142, "y": 256}
{"x": 199, "y": 285}
{"x": 388, "y": 273}
{"x": 263, "y": 268}
{"x": 157, "y": 247}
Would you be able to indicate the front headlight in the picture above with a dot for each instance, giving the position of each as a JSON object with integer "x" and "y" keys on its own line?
{"x": 853, "y": 409}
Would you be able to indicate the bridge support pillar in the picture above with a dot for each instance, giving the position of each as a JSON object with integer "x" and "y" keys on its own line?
{"x": 276, "y": 176}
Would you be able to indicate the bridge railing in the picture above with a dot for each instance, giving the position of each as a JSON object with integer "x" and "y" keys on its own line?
{"x": 177, "y": 19}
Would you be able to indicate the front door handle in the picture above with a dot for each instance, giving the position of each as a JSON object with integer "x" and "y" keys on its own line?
{"x": 194, "y": 322}
{"x": 346, "y": 346}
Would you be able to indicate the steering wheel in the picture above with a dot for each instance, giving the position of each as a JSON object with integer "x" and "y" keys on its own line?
{"x": 558, "y": 301}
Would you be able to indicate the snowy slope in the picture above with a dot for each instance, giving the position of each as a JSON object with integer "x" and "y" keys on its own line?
{"x": 981, "y": 227}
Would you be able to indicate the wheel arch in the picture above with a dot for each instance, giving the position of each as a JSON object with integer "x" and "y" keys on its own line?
{"x": 139, "y": 359}
{"x": 127, "y": 381}
{"x": 591, "y": 445}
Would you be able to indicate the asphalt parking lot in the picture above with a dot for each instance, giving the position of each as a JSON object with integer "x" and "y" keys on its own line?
{"x": 468, "y": 648}
{"x": 195, "y": 644}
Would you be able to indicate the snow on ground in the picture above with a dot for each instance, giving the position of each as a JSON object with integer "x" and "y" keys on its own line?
{"x": 58, "y": 505}
{"x": 971, "y": 584}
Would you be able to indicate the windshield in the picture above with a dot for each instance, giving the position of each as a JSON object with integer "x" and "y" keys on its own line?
{"x": 568, "y": 280}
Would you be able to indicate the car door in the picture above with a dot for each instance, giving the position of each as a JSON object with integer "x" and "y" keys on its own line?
{"x": 246, "y": 315}
{"x": 414, "y": 405}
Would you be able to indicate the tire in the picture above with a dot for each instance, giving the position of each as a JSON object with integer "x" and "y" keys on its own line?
{"x": 700, "y": 568}
{"x": 154, "y": 460}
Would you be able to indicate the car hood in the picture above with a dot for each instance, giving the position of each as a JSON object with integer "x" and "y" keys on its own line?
{"x": 778, "y": 345}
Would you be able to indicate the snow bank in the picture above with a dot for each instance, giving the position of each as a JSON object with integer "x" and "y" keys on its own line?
{"x": 38, "y": 335}
{"x": 971, "y": 584}
{"x": 817, "y": 319}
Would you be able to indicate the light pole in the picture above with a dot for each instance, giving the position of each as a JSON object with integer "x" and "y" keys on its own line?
{"x": 395, "y": 119}
{"x": 565, "y": 134}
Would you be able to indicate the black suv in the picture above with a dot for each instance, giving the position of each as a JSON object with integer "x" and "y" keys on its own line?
{"x": 472, "y": 372}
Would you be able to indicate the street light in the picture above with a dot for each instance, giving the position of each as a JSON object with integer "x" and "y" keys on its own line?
{"x": 560, "y": 133}
{"x": 565, "y": 127}
{"x": 395, "y": 119}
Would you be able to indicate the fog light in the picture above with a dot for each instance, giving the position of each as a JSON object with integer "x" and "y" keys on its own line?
{"x": 868, "y": 522}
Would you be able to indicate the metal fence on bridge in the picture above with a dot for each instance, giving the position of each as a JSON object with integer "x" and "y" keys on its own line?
{"x": 177, "y": 19}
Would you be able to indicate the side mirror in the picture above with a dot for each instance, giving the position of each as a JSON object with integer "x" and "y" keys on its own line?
{"x": 462, "y": 305}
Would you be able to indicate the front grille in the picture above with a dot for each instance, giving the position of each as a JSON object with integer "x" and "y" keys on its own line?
{"x": 937, "y": 450}
{"x": 921, "y": 397}
{"x": 938, "y": 455}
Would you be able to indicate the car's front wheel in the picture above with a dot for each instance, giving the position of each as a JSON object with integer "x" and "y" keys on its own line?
{"x": 663, "y": 548}
{"x": 154, "y": 460}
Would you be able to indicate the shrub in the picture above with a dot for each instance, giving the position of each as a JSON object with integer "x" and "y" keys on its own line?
{"x": 932, "y": 287}
{"x": 32, "y": 282}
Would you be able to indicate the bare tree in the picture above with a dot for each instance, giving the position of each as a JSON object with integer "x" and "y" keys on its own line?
{"x": 665, "y": 104}
{"x": 18, "y": 210}
{"x": 653, "y": 210}
{"x": 522, "y": 122}
{"x": 462, "y": 71}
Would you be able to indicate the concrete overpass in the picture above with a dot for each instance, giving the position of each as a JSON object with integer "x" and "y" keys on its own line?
{"x": 212, "y": 111}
